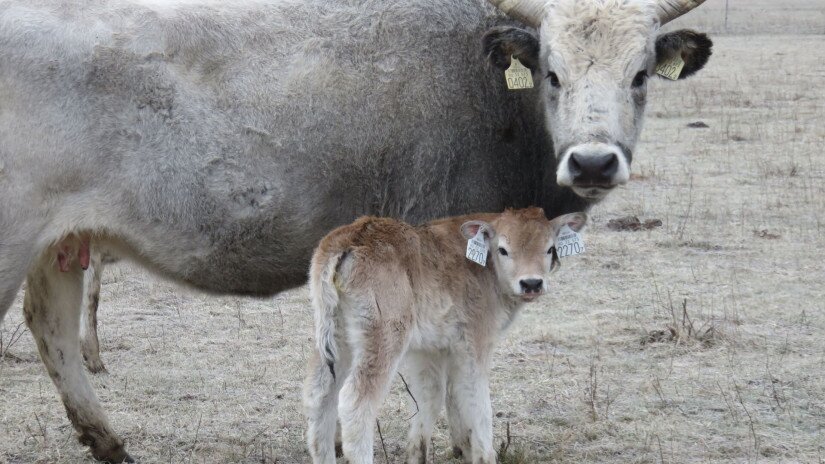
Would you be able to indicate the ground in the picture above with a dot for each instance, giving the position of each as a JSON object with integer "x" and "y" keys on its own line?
{"x": 697, "y": 341}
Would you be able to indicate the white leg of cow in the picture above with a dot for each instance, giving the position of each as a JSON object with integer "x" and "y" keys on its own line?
{"x": 321, "y": 406}
{"x": 52, "y": 310}
{"x": 89, "y": 345}
{"x": 374, "y": 365}
{"x": 469, "y": 412}
{"x": 426, "y": 379}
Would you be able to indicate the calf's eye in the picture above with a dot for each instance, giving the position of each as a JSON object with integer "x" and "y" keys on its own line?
{"x": 502, "y": 251}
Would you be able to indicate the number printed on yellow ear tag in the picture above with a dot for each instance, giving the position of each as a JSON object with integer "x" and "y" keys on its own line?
{"x": 518, "y": 76}
{"x": 671, "y": 68}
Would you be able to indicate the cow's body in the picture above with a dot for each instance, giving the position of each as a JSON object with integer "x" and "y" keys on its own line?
{"x": 384, "y": 292}
{"x": 216, "y": 145}
{"x": 215, "y": 142}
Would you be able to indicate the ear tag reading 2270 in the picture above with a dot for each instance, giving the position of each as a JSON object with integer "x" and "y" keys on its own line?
{"x": 569, "y": 242}
{"x": 671, "y": 68}
{"x": 477, "y": 248}
{"x": 518, "y": 76}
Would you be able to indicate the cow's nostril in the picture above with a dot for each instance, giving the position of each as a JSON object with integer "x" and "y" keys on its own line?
{"x": 574, "y": 165}
{"x": 531, "y": 285}
{"x": 611, "y": 167}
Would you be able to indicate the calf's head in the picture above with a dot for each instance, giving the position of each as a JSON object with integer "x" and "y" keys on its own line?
{"x": 591, "y": 61}
{"x": 522, "y": 248}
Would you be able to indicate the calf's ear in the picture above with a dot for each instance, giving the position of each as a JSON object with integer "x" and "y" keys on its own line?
{"x": 501, "y": 42}
{"x": 694, "y": 47}
{"x": 470, "y": 228}
{"x": 575, "y": 221}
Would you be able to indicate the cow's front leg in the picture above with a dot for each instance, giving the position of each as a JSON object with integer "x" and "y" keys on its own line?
{"x": 89, "y": 344}
{"x": 52, "y": 310}
{"x": 469, "y": 411}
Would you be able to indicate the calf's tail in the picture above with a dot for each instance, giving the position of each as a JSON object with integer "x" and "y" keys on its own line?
{"x": 324, "y": 294}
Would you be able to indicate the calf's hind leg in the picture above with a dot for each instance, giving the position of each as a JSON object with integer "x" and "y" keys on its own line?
{"x": 52, "y": 310}
{"x": 321, "y": 391}
{"x": 89, "y": 345}
{"x": 379, "y": 346}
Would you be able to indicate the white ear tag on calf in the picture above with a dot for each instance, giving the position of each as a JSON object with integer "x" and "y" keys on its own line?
{"x": 477, "y": 249}
{"x": 569, "y": 242}
{"x": 671, "y": 68}
{"x": 518, "y": 76}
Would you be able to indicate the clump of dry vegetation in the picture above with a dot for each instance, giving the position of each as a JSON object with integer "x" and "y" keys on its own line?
{"x": 683, "y": 329}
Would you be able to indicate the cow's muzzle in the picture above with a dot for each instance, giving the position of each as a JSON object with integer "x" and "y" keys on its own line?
{"x": 593, "y": 169}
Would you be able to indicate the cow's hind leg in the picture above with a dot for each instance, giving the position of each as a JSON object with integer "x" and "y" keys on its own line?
{"x": 52, "y": 311}
{"x": 89, "y": 345}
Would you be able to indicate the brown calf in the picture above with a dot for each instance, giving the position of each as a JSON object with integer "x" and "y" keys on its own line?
{"x": 385, "y": 292}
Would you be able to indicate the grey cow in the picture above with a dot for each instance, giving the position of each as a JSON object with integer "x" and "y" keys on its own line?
{"x": 215, "y": 142}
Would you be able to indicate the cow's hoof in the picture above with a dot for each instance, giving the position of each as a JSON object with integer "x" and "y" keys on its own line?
{"x": 115, "y": 455}
{"x": 339, "y": 449}
{"x": 96, "y": 367}
{"x": 457, "y": 453}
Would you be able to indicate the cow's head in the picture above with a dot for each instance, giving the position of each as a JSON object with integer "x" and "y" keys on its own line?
{"x": 522, "y": 248}
{"x": 591, "y": 62}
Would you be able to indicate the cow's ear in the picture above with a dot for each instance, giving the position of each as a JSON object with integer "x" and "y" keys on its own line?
{"x": 694, "y": 47}
{"x": 501, "y": 42}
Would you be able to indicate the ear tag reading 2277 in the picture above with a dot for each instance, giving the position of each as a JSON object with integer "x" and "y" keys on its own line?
{"x": 477, "y": 248}
{"x": 569, "y": 242}
{"x": 518, "y": 76}
{"x": 671, "y": 68}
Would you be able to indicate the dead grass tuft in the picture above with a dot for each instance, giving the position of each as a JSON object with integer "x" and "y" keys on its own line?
{"x": 510, "y": 453}
{"x": 633, "y": 223}
{"x": 765, "y": 234}
{"x": 682, "y": 329}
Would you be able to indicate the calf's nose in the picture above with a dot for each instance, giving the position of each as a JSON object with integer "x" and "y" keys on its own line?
{"x": 593, "y": 169}
{"x": 530, "y": 285}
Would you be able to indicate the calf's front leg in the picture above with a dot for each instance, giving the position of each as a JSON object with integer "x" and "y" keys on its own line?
{"x": 469, "y": 411}
{"x": 426, "y": 379}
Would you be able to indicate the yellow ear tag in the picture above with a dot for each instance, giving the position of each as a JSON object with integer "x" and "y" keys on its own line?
{"x": 518, "y": 76}
{"x": 671, "y": 68}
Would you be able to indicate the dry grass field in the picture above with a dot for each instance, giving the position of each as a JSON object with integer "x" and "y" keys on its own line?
{"x": 697, "y": 341}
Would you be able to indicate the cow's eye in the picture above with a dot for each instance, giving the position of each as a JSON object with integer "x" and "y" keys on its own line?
{"x": 640, "y": 79}
{"x": 554, "y": 79}
{"x": 502, "y": 251}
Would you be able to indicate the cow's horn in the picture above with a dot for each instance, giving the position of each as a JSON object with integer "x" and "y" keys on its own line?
{"x": 530, "y": 12}
{"x": 669, "y": 10}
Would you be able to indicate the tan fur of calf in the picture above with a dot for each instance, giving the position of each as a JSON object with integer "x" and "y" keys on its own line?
{"x": 385, "y": 292}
